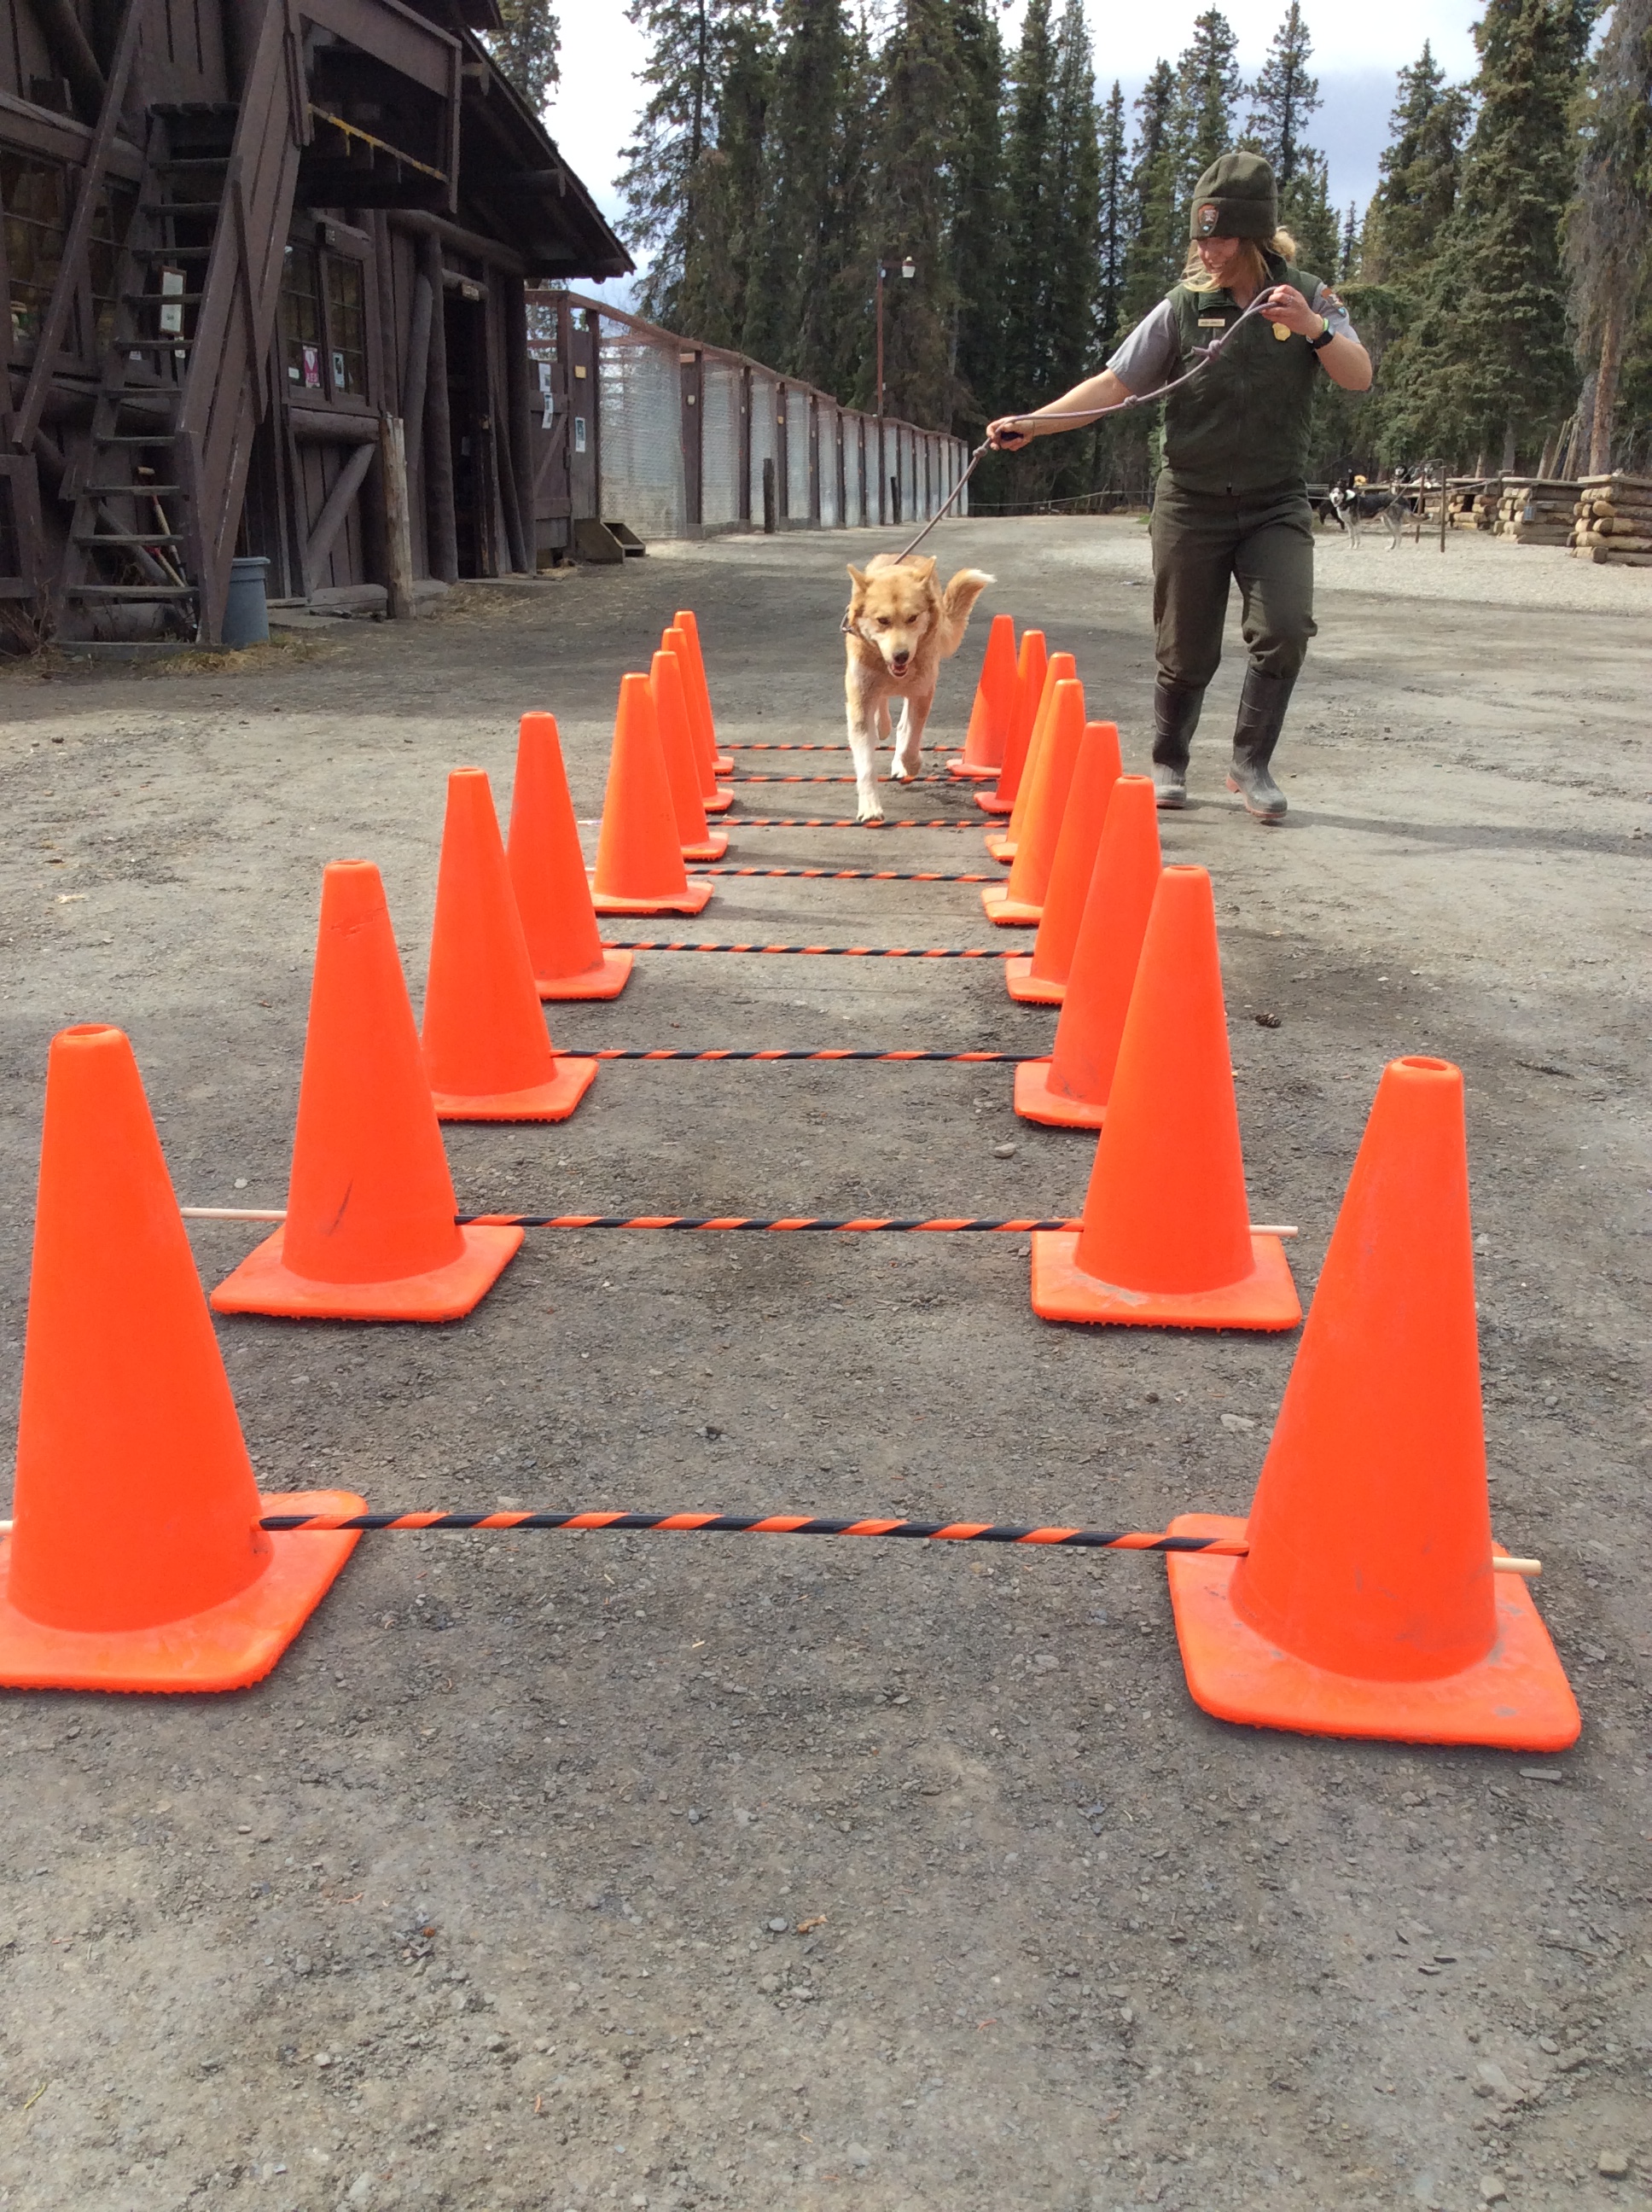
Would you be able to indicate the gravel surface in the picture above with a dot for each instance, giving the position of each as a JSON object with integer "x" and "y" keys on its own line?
{"x": 552, "y": 1872}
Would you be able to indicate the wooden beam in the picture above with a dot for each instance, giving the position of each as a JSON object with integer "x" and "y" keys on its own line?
{"x": 519, "y": 416}
{"x": 399, "y": 531}
{"x": 337, "y": 505}
{"x": 77, "y": 246}
{"x": 69, "y": 42}
{"x": 416, "y": 224}
{"x": 441, "y": 526}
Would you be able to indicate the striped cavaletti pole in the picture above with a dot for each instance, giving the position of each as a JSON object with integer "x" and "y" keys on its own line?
{"x": 817, "y": 952}
{"x": 801, "y": 1524}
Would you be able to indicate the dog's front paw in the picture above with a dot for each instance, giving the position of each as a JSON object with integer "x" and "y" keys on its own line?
{"x": 869, "y": 816}
{"x": 899, "y": 772}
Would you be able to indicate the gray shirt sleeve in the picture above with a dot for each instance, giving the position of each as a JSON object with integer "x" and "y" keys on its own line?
{"x": 1151, "y": 354}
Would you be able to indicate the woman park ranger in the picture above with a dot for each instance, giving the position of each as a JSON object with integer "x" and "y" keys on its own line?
{"x": 1231, "y": 503}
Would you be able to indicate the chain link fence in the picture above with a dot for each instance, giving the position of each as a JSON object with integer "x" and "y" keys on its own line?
{"x": 679, "y": 439}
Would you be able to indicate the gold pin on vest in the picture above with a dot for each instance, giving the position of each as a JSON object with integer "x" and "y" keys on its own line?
{"x": 1281, "y": 331}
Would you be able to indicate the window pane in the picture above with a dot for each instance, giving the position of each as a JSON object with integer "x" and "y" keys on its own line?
{"x": 33, "y": 195}
{"x": 347, "y": 318}
{"x": 301, "y": 318}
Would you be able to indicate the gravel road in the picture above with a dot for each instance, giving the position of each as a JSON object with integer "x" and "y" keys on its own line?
{"x": 553, "y": 1872}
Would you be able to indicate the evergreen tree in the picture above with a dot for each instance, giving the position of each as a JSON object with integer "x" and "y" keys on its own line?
{"x": 978, "y": 209}
{"x": 1158, "y": 246}
{"x": 1419, "y": 170}
{"x": 1113, "y": 225}
{"x": 1488, "y": 363}
{"x": 527, "y": 49}
{"x": 788, "y": 307}
{"x": 1033, "y": 208}
{"x": 1610, "y": 222}
{"x": 1077, "y": 184}
{"x": 1348, "y": 257}
{"x": 919, "y": 70}
{"x": 1283, "y": 100}
{"x": 1208, "y": 89}
{"x": 679, "y": 207}
{"x": 731, "y": 191}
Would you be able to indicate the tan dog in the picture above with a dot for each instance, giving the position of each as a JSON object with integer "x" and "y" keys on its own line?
{"x": 899, "y": 629}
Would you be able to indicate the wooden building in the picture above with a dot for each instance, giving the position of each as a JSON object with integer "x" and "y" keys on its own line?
{"x": 265, "y": 264}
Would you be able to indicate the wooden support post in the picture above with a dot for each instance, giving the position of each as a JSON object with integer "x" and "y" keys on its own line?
{"x": 518, "y": 413}
{"x": 330, "y": 520}
{"x": 399, "y": 521}
{"x": 441, "y": 526}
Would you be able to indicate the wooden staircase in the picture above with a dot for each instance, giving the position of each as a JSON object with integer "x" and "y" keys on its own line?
{"x": 158, "y": 492}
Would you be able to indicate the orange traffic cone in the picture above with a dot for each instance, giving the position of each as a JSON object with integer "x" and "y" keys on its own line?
{"x": 1040, "y": 978}
{"x": 1166, "y": 1239}
{"x": 1367, "y": 1605}
{"x": 700, "y": 691}
{"x": 639, "y": 860}
{"x": 1060, "y": 669}
{"x": 136, "y": 1560}
{"x": 553, "y": 893}
{"x": 994, "y": 705}
{"x": 369, "y": 1233}
{"x": 485, "y": 1046}
{"x": 1069, "y": 1091}
{"x": 1028, "y": 691}
{"x": 1019, "y": 904}
{"x": 714, "y": 798}
{"x": 681, "y": 769}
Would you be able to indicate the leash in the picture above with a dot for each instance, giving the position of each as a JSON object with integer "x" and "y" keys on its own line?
{"x": 1204, "y": 355}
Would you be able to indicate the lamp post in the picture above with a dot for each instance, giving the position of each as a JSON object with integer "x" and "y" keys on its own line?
{"x": 908, "y": 269}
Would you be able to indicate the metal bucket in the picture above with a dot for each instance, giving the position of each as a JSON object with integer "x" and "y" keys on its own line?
{"x": 247, "y": 610}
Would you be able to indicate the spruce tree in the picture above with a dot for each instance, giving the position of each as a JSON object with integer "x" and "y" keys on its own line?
{"x": 527, "y": 49}
{"x": 1419, "y": 170}
{"x": 978, "y": 211}
{"x": 1487, "y": 365}
{"x": 909, "y": 209}
{"x": 789, "y": 304}
{"x": 1077, "y": 186}
{"x": 1283, "y": 100}
{"x": 1208, "y": 85}
{"x": 1157, "y": 246}
{"x": 1113, "y": 223}
{"x": 1610, "y": 221}
{"x": 1034, "y": 210}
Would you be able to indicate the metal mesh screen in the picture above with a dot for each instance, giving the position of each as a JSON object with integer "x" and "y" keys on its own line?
{"x": 719, "y": 456}
{"x": 763, "y": 389}
{"x": 797, "y": 456}
{"x": 909, "y": 474}
{"x": 641, "y": 399}
{"x": 827, "y": 416}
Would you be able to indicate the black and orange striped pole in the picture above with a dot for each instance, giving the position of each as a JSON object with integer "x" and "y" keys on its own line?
{"x": 817, "y": 952}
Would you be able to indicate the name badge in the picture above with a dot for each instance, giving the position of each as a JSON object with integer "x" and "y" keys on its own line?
{"x": 1212, "y": 322}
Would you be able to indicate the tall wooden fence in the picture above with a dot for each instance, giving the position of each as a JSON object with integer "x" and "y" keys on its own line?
{"x": 681, "y": 440}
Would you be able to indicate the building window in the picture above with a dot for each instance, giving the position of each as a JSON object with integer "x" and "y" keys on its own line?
{"x": 347, "y": 327}
{"x": 301, "y": 332}
{"x": 34, "y": 195}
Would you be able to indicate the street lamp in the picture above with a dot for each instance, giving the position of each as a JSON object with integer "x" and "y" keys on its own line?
{"x": 908, "y": 269}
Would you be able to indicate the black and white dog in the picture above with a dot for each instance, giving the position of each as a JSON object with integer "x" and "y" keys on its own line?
{"x": 1359, "y": 502}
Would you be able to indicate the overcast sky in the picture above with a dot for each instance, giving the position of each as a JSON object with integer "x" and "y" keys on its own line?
{"x": 1357, "y": 50}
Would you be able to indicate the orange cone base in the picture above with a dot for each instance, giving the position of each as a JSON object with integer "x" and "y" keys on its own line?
{"x": 1265, "y": 1298}
{"x": 545, "y": 1101}
{"x": 1006, "y": 913}
{"x": 224, "y": 1648}
{"x": 1516, "y": 1698}
{"x": 990, "y": 803}
{"x": 263, "y": 1285}
{"x": 1003, "y": 848}
{"x": 605, "y": 980}
{"x": 1030, "y": 990}
{"x": 712, "y": 849}
{"x": 1035, "y": 1102}
{"x": 719, "y": 801}
{"x": 963, "y": 768}
{"x": 692, "y": 901}
{"x": 722, "y": 764}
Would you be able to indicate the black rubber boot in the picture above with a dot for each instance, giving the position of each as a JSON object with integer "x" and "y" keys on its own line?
{"x": 1262, "y": 716}
{"x": 1175, "y": 717}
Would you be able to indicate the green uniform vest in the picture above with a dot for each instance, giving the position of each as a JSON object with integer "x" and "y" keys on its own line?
{"x": 1242, "y": 425}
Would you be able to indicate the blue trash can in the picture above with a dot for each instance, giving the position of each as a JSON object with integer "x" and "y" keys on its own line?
{"x": 247, "y": 610}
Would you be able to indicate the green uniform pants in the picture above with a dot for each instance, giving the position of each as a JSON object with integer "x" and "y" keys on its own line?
{"x": 1202, "y": 541}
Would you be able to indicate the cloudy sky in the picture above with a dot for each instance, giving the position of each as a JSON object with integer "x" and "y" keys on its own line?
{"x": 1357, "y": 50}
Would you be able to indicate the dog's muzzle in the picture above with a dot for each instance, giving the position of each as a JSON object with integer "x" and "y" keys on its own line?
{"x": 899, "y": 663}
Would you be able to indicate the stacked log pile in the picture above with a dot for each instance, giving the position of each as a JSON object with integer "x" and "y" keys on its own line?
{"x": 1614, "y": 520}
{"x": 1533, "y": 511}
{"x": 1461, "y": 495}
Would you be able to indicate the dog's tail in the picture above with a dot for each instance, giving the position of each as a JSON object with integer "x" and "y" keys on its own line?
{"x": 956, "y": 601}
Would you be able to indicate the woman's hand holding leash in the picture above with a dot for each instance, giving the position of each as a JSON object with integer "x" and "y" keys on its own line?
{"x": 1284, "y": 306}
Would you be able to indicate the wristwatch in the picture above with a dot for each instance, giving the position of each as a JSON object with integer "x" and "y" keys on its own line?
{"x": 1319, "y": 344}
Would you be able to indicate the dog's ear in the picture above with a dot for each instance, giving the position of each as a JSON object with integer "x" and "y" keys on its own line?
{"x": 859, "y": 575}
{"x": 925, "y": 565}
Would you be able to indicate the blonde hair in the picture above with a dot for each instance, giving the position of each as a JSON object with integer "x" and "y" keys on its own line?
{"x": 1197, "y": 279}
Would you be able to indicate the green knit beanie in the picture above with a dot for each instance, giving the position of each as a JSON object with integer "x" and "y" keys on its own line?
{"x": 1235, "y": 198}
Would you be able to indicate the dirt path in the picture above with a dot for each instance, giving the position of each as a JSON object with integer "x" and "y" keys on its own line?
{"x": 558, "y": 1872}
